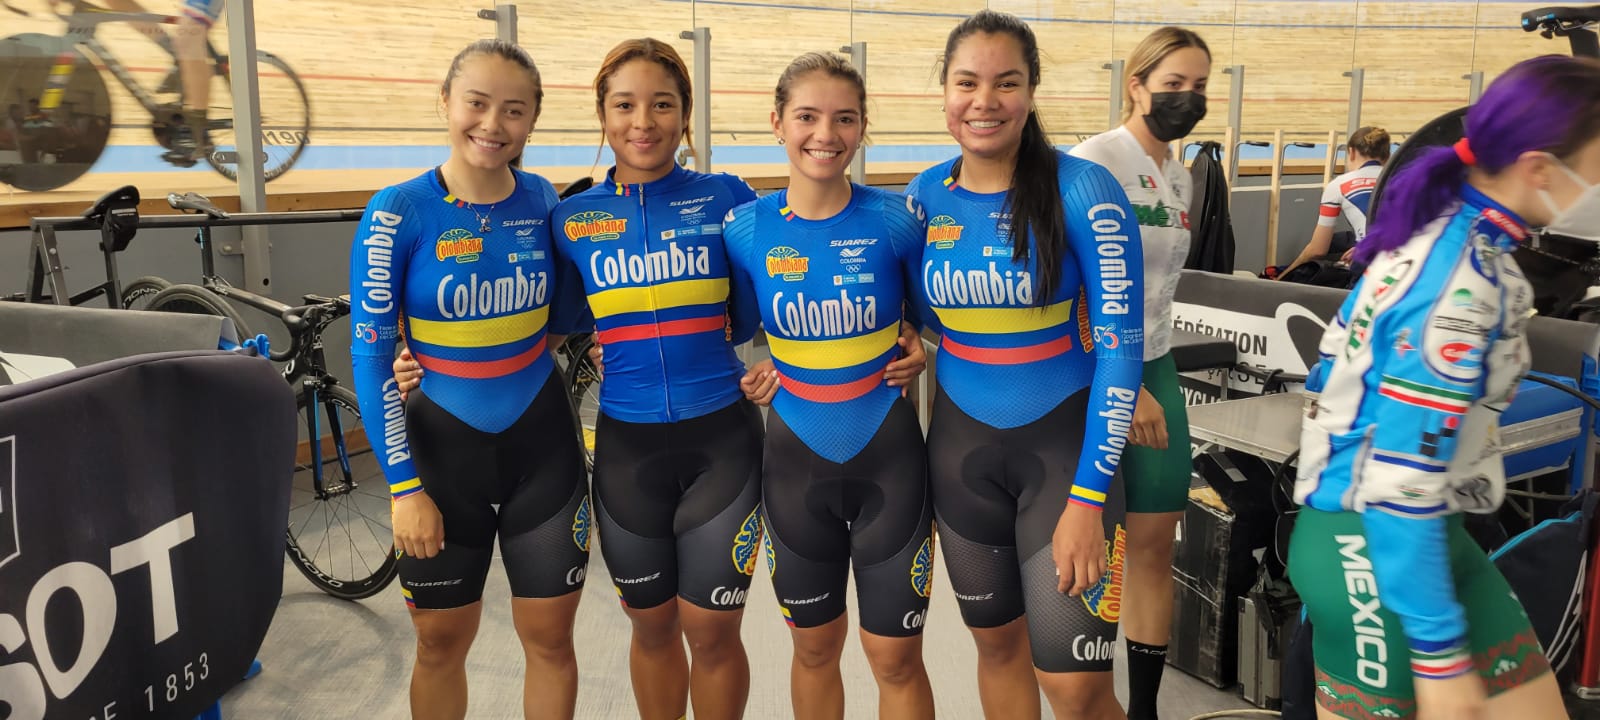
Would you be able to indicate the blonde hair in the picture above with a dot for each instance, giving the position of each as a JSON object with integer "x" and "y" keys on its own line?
{"x": 1372, "y": 143}
{"x": 1149, "y": 53}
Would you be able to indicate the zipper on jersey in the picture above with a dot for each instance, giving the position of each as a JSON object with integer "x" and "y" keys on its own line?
{"x": 655, "y": 308}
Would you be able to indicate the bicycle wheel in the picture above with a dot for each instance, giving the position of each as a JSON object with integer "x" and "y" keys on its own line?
{"x": 339, "y": 534}
{"x": 68, "y": 120}
{"x": 285, "y": 117}
{"x": 1440, "y": 131}
{"x": 583, "y": 391}
{"x": 200, "y": 301}
{"x": 137, "y": 294}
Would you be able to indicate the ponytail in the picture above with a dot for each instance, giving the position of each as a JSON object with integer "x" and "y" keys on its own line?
{"x": 1419, "y": 193}
{"x": 1034, "y": 201}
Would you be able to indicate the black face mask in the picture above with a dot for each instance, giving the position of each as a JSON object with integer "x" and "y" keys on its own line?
{"x": 1174, "y": 114}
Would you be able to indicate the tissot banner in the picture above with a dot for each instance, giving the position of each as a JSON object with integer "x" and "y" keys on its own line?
{"x": 142, "y": 512}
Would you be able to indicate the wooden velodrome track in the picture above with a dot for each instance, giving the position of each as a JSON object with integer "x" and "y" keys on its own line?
{"x": 373, "y": 67}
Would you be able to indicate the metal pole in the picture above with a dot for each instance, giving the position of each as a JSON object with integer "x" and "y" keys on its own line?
{"x": 858, "y": 58}
{"x": 1235, "y": 74}
{"x": 1358, "y": 78}
{"x": 247, "y": 142}
{"x": 702, "y": 95}
{"x": 1116, "y": 67}
{"x": 1474, "y": 86}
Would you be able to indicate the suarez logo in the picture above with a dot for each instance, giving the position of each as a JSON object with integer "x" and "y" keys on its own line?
{"x": 744, "y": 543}
{"x": 580, "y": 525}
{"x": 596, "y": 225}
{"x": 788, "y": 262}
{"x": 922, "y": 569}
{"x": 1104, "y": 598}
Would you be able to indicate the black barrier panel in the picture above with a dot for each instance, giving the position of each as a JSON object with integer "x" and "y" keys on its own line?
{"x": 146, "y": 500}
{"x": 1275, "y": 325}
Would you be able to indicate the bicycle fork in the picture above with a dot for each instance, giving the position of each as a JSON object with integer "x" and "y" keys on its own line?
{"x": 313, "y": 402}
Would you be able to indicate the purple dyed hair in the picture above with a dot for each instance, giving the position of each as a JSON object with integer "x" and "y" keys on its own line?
{"x": 1549, "y": 103}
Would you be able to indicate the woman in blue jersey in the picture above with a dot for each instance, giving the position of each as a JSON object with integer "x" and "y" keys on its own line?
{"x": 831, "y": 265}
{"x": 1412, "y": 620}
{"x": 1031, "y": 260}
{"x": 1164, "y": 98}
{"x": 463, "y": 253}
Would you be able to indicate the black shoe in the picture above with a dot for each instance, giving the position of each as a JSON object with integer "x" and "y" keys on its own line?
{"x": 189, "y": 145}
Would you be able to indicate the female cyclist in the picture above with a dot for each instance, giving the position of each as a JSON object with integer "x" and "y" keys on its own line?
{"x": 1348, "y": 195}
{"x": 1163, "y": 100}
{"x": 831, "y": 264}
{"x": 1031, "y": 260}
{"x": 464, "y": 253}
{"x": 1412, "y": 620}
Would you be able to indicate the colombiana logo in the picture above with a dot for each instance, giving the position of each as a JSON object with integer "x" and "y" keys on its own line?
{"x": 596, "y": 225}
{"x": 368, "y": 332}
{"x": 922, "y": 569}
{"x": 1104, "y": 598}
{"x": 1106, "y": 335}
{"x": 580, "y": 525}
{"x": 943, "y": 232}
{"x": 744, "y": 543}
{"x": 788, "y": 262}
{"x": 458, "y": 244}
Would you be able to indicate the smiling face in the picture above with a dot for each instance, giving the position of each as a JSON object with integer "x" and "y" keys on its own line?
{"x": 644, "y": 117}
{"x": 821, "y": 125}
{"x": 490, "y": 109}
{"x": 987, "y": 94}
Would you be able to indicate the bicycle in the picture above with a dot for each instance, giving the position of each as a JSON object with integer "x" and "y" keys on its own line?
{"x": 60, "y": 139}
{"x": 338, "y": 488}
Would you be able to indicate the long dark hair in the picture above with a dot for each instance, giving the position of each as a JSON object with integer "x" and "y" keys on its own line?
{"x": 1549, "y": 103}
{"x": 1034, "y": 198}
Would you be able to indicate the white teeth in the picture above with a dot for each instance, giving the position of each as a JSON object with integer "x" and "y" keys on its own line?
{"x": 486, "y": 144}
{"x": 822, "y": 154}
{"x": 984, "y": 124}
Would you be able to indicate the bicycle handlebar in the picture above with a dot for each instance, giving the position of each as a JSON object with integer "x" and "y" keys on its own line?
{"x": 304, "y": 321}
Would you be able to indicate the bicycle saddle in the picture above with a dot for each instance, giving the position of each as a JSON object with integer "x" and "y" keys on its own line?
{"x": 195, "y": 203}
{"x": 1559, "y": 20}
{"x": 117, "y": 214}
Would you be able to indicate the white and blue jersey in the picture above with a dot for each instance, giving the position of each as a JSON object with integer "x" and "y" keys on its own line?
{"x": 1429, "y": 347}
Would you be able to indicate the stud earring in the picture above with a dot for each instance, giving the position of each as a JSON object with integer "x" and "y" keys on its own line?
{"x": 780, "y": 141}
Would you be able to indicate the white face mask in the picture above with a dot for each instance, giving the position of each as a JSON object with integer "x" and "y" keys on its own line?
{"x": 1581, "y": 219}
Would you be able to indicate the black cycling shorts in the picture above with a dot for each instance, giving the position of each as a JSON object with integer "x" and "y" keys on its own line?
{"x": 999, "y": 494}
{"x": 524, "y": 484}
{"x": 872, "y": 510}
{"x": 679, "y": 507}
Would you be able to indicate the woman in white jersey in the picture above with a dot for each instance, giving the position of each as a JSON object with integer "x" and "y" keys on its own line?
{"x": 1348, "y": 195}
{"x": 1164, "y": 98}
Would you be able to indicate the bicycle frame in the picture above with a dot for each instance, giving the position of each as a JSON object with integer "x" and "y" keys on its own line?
{"x": 305, "y": 363}
{"x": 81, "y": 26}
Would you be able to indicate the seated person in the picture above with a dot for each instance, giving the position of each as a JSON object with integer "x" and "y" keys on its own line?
{"x": 1348, "y": 195}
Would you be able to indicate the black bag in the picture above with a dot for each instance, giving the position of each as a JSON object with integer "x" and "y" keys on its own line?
{"x": 1210, "y": 228}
